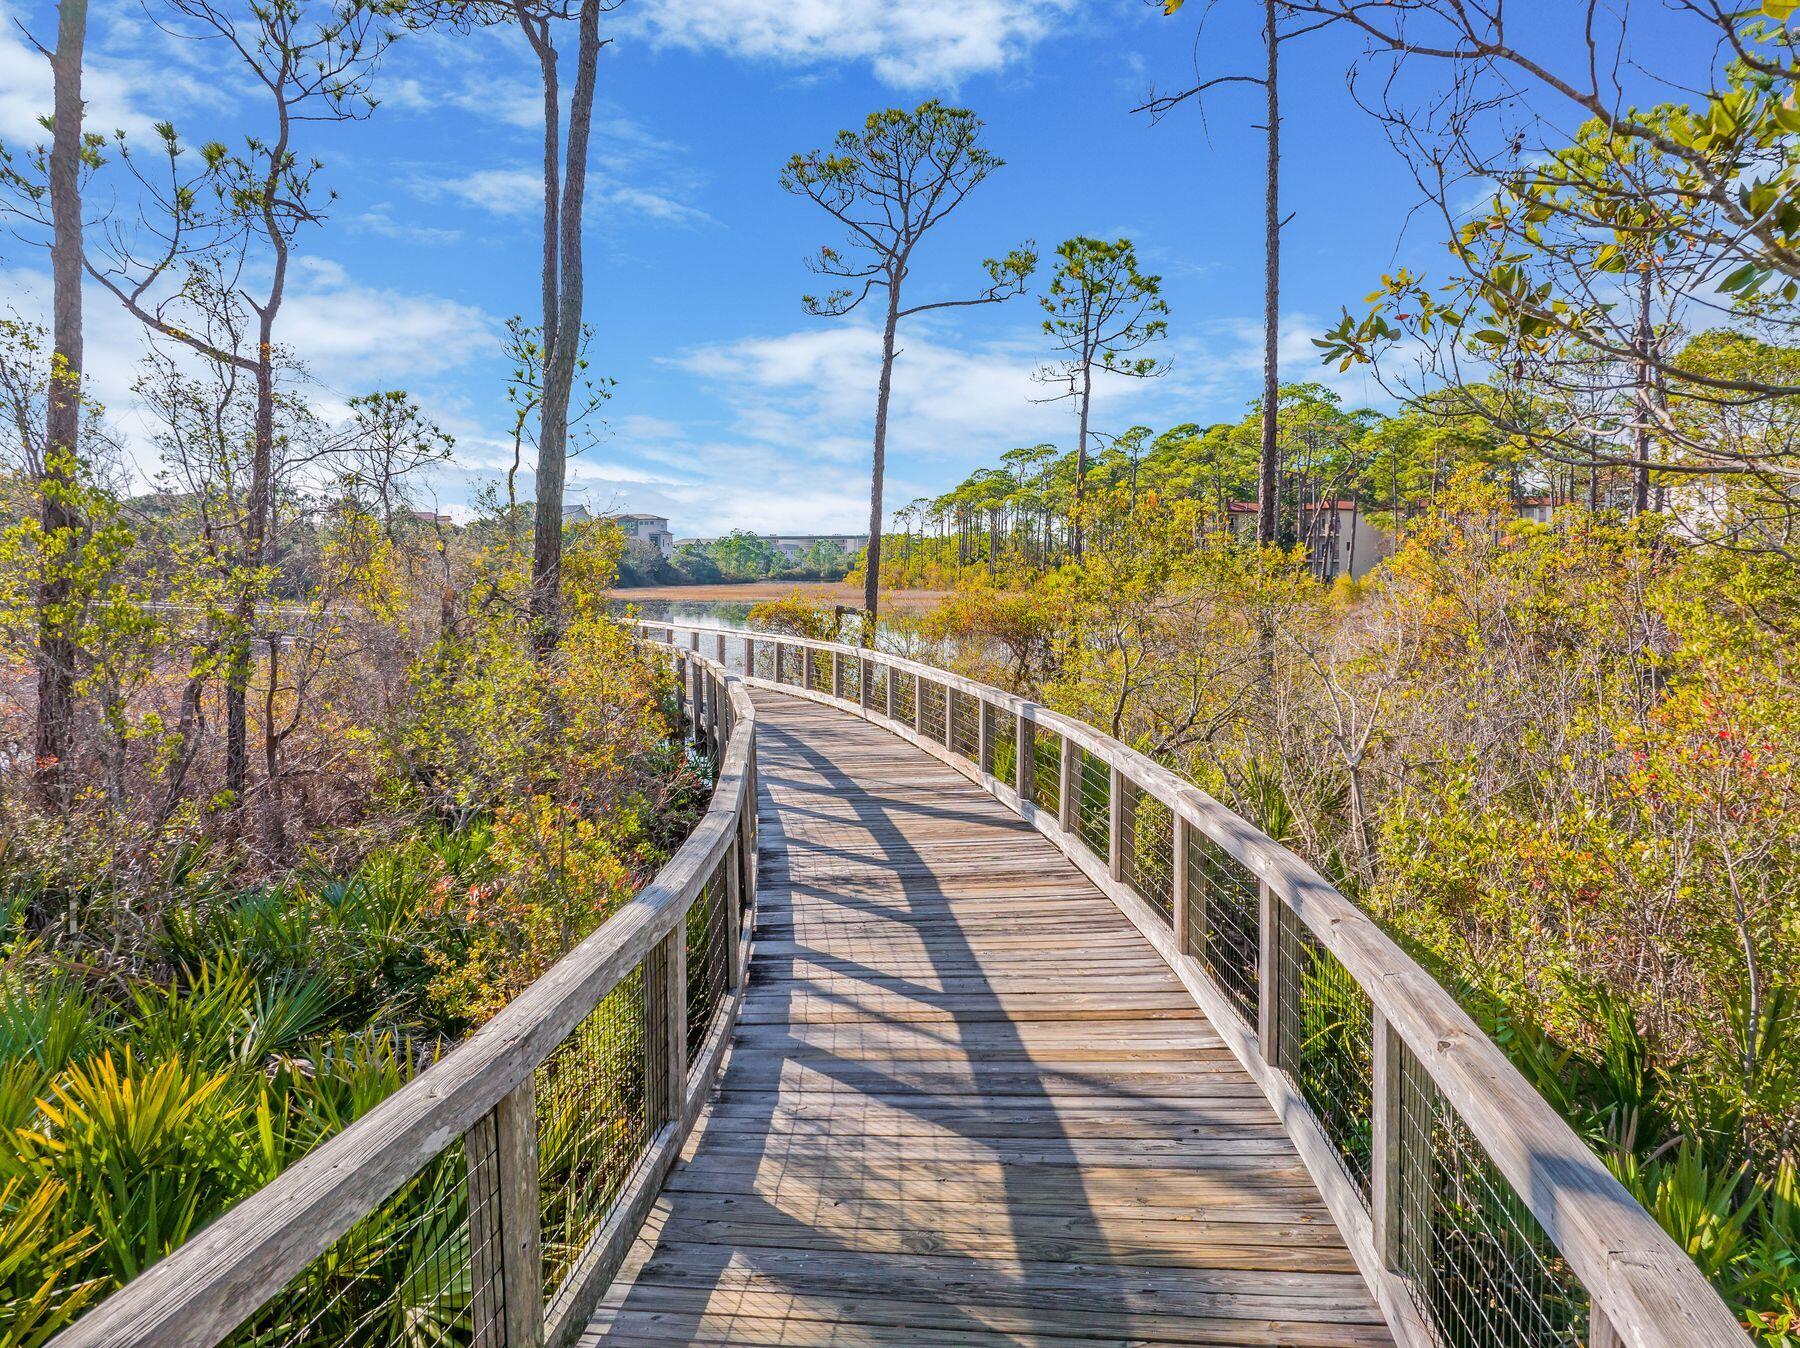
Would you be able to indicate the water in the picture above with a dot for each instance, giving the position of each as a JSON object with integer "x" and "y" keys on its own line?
{"x": 734, "y": 614}
{"x": 727, "y": 613}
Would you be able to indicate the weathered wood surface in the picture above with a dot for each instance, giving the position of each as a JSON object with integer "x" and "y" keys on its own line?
{"x": 967, "y": 1102}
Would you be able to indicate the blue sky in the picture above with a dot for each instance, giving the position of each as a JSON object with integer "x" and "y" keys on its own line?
{"x": 733, "y": 408}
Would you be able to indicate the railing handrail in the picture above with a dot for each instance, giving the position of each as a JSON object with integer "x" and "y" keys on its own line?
{"x": 202, "y": 1291}
{"x": 1649, "y": 1293}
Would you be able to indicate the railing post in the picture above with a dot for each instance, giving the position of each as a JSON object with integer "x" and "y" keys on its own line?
{"x": 1115, "y": 823}
{"x": 1384, "y": 1149}
{"x": 507, "y": 1268}
{"x": 697, "y": 672}
{"x": 918, "y": 705}
{"x": 837, "y": 675}
{"x": 1274, "y": 984}
{"x": 719, "y": 648}
{"x": 665, "y": 1028}
{"x": 1065, "y": 782}
{"x": 863, "y": 666}
{"x": 806, "y": 667}
{"x": 715, "y": 688}
{"x": 681, "y": 679}
{"x": 950, "y": 717}
{"x": 1601, "y": 1333}
{"x": 1400, "y": 1161}
{"x": 983, "y": 743}
{"x": 734, "y": 909}
{"x": 1178, "y": 883}
{"x": 1024, "y": 756}
{"x": 888, "y": 671}
{"x": 749, "y": 657}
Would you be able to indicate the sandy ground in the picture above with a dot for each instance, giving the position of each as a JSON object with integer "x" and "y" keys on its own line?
{"x": 756, "y": 591}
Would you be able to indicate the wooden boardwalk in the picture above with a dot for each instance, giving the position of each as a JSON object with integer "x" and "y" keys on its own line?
{"x": 967, "y": 1103}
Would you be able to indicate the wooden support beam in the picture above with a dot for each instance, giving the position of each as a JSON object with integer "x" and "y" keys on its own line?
{"x": 1024, "y": 756}
{"x": 1066, "y": 785}
{"x": 506, "y": 1255}
{"x": 1181, "y": 916}
{"x": 1272, "y": 984}
{"x": 1386, "y": 1152}
{"x": 734, "y": 911}
{"x": 1115, "y": 824}
{"x": 665, "y": 1029}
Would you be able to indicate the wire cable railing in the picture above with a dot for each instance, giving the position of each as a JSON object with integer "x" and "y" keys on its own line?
{"x": 1475, "y": 1214}
{"x": 490, "y": 1200}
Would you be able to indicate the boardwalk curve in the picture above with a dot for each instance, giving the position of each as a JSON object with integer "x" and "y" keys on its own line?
{"x": 967, "y": 1101}
{"x": 1022, "y": 1008}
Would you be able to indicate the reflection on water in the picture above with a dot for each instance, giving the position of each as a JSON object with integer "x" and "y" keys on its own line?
{"x": 734, "y": 613}
{"x": 691, "y": 612}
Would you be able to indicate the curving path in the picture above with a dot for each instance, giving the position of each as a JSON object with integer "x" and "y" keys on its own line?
{"x": 967, "y": 1103}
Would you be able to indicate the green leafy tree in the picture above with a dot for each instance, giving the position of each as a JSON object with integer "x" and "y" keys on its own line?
{"x": 889, "y": 184}
{"x": 1101, "y": 309}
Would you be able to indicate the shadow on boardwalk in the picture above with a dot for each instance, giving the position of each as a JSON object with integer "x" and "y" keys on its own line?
{"x": 966, "y": 1102}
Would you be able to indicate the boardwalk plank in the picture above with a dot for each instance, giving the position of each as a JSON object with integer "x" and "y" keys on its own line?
{"x": 967, "y": 1103}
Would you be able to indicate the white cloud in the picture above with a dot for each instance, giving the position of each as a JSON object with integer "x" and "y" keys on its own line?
{"x": 503, "y": 191}
{"x": 349, "y": 335}
{"x": 353, "y": 333}
{"x": 792, "y": 451}
{"x": 519, "y": 191}
{"x": 112, "y": 91}
{"x": 380, "y": 220}
{"x": 918, "y": 43}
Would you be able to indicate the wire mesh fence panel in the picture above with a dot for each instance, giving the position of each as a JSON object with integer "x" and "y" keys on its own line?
{"x": 407, "y": 1273}
{"x": 1046, "y": 769}
{"x": 850, "y": 676}
{"x": 1222, "y": 900}
{"x": 707, "y": 963}
{"x": 1327, "y": 1043}
{"x": 1476, "y": 1261}
{"x": 965, "y": 726}
{"x": 931, "y": 710}
{"x": 763, "y": 664}
{"x": 1003, "y": 743}
{"x": 876, "y": 676}
{"x": 786, "y": 661}
{"x": 906, "y": 697}
{"x": 818, "y": 671}
{"x": 1092, "y": 790}
{"x": 1147, "y": 847}
{"x": 593, "y": 1122}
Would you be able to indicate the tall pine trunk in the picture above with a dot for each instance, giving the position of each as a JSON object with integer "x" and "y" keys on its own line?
{"x": 872, "y": 563}
{"x": 1640, "y": 440}
{"x": 1268, "y": 484}
{"x": 563, "y": 318}
{"x": 56, "y": 646}
{"x": 1081, "y": 452}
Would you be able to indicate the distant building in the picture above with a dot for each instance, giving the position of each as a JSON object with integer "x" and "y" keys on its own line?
{"x": 796, "y": 546}
{"x": 1341, "y": 539}
{"x": 651, "y": 529}
{"x": 433, "y": 519}
{"x": 1336, "y": 534}
{"x": 1537, "y": 509}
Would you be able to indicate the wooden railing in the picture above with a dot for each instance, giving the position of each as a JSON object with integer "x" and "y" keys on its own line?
{"x": 1475, "y": 1213}
{"x": 490, "y": 1200}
